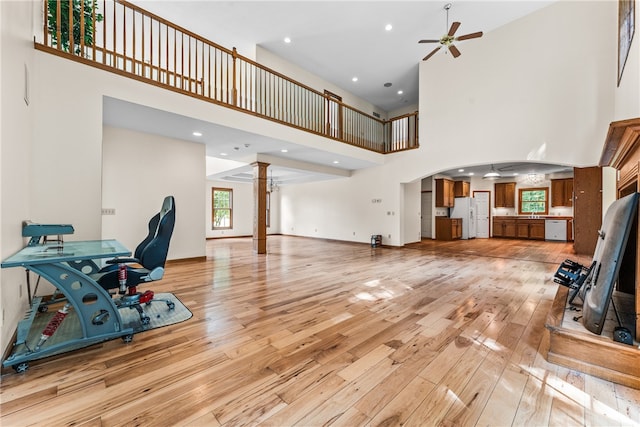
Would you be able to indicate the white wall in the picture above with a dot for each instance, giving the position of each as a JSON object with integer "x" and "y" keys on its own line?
{"x": 139, "y": 171}
{"x": 342, "y": 209}
{"x": 520, "y": 97}
{"x": 16, "y": 124}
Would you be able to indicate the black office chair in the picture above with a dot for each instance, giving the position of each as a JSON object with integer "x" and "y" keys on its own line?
{"x": 147, "y": 264}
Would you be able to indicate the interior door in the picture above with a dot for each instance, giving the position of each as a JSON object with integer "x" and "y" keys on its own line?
{"x": 483, "y": 215}
{"x": 426, "y": 215}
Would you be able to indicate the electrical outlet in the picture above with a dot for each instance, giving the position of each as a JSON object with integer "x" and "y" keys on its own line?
{"x": 108, "y": 211}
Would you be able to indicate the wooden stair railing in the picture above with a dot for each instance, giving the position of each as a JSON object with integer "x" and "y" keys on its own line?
{"x": 123, "y": 38}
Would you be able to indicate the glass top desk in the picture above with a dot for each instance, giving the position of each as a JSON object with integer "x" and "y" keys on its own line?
{"x": 93, "y": 317}
{"x": 65, "y": 252}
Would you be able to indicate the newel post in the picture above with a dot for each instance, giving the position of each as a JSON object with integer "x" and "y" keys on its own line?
{"x": 234, "y": 89}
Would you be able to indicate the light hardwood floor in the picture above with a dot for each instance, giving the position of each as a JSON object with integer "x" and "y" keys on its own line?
{"x": 332, "y": 333}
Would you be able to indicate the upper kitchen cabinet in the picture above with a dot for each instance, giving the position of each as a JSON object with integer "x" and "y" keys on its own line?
{"x": 461, "y": 189}
{"x": 561, "y": 192}
{"x": 444, "y": 193}
{"x": 505, "y": 195}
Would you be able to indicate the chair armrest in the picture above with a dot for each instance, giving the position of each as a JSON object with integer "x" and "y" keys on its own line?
{"x": 123, "y": 260}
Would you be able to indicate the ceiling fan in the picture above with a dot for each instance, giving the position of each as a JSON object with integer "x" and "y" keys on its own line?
{"x": 448, "y": 39}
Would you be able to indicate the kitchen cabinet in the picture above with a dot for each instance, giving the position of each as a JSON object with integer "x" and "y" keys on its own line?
{"x": 461, "y": 189}
{"x": 505, "y": 195}
{"x": 518, "y": 228}
{"x": 504, "y": 227}
{"x": 562, "y": 192}
{"x": 536, "y": 229}
{"x": 444, "y": 193}
{"x": 448, "y": 228}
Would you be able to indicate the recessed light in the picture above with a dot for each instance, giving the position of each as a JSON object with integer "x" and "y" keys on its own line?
{"x": 470, "y": 173}
{"x": 400, "y": 92}
{"x": 335, "y": 162}
{"x": 460, "y": 170}
{"x": 388, "y": 84}
{"x": 287, "y": 40}
{"x": 196, "y": 133}
{"x": 515, "y": 174}
{"x": 223, "y": 154}
{"x": 388, "y": 27}
{"x": 354, "y": 79}
{"x": 284, "y": 150}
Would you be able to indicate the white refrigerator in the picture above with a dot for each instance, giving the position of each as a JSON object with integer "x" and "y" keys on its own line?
{"x": 465, "y": 208}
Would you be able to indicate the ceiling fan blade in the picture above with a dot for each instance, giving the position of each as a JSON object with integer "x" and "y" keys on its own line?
{"x": 431, "y": 54}
{"x": 470, "y": 36}
{"x": 453, "y": 29}
{"x": 429, "y": 41}
{"x": 454, "y": 51}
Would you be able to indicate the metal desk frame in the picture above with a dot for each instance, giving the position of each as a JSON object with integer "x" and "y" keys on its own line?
{"x": 98, "y": 315}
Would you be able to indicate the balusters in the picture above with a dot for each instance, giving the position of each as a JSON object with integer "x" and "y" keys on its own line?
{"x": 157, "y": 50}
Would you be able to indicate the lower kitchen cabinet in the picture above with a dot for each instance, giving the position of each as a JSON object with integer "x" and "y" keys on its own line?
{"x": 518, "y": 228}
{"x": 504, "y": 227}
{"x": 448, "y": 228}
{"x": 536, "y": 229}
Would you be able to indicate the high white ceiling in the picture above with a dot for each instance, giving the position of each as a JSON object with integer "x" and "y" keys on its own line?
{"x": 336, "y": 40}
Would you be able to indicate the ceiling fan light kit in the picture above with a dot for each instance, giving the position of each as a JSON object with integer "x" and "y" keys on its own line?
{"x": 449, "y": 38}
{"x": 491, "y": 174}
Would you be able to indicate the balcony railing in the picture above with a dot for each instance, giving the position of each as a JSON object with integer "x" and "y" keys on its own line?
{"x": 123, "y": 38}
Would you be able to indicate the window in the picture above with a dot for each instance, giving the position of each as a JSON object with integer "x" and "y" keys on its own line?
{"x": 534, "y": 201}
{"x": 222, "y": 212}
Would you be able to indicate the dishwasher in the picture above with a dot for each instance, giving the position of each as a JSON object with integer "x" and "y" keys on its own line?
{"x": 555, "y": 229}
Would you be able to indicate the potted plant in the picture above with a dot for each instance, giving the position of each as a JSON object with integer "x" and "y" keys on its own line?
{"x": 83, "y": 8}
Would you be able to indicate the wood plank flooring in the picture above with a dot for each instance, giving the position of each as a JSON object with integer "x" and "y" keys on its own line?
{"x": 319, "y": 333}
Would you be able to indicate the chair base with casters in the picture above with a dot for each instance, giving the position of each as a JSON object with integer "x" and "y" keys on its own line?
{"x": 134, "y": 300}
